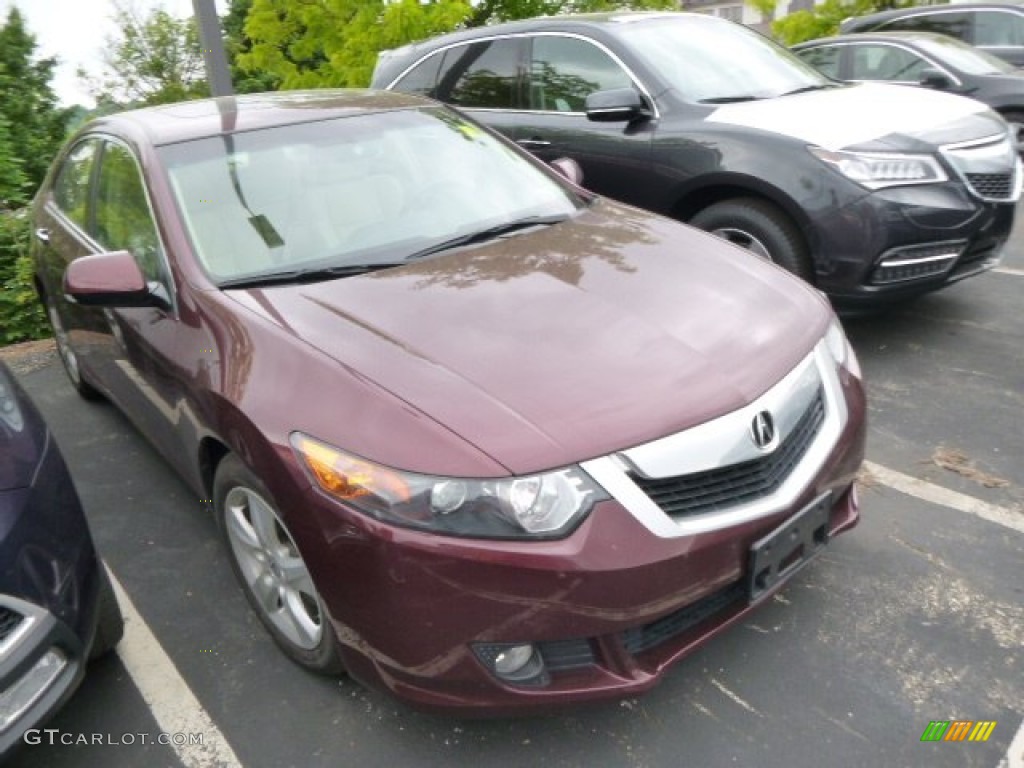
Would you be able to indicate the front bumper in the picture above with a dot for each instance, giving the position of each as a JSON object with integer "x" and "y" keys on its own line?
{"x": 42, "y": 662}
{"x": 899, "y": 243}
{"x": 609, "y": 608}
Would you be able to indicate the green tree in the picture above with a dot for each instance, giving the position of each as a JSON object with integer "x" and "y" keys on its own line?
{"x": 823, "y": 20}
{"x": 236, "y": 44}
{"x": 12, "y": 177}
{"x": 154, "y": 58}
{"x": 34, "y": 125}
{"x": 318, "y": 43}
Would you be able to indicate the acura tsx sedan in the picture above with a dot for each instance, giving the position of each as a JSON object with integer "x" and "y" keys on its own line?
{"x": 472, "y": 434}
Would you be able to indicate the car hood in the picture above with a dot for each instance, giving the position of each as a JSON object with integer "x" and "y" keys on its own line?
{"x": 564, "y": 343}
{"x": 867, "y": 115}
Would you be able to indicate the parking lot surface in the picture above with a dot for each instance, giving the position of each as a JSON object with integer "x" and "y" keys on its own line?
{"x": 915, "y": 616}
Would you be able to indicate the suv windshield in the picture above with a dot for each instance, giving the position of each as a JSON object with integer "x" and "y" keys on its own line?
{"x": 964, "y": 57}
{"x": 349, "y": 194}
{"x": 715, "y": 61}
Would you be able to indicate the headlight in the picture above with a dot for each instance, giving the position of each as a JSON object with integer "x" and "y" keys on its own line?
{"x": 546, "y": 505}
{"x": 839, "y": 348}
{"x": 876, "y": 170}
{"x": 10, "y": 413}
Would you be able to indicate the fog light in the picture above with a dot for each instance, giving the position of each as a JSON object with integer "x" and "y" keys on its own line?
{"x": 32, "y": 685}
{"x": 520, "y": 664}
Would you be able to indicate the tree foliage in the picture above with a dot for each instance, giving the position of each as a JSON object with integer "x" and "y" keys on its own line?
{"x": 319, "y": 43}
{"x": 236, "y": 44}
{"x": 153, "y": 58}
{"x": 33, "y": 125}
{"x": 823, "y": 20}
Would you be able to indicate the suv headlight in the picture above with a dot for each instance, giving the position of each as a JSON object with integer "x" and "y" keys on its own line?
{"x": 546, "y": 505}
{"x": 876, "y": 170}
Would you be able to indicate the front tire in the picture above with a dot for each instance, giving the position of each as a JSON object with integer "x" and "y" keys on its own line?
{"x": 761, "y": 228}
{"x": 271, "y": 570}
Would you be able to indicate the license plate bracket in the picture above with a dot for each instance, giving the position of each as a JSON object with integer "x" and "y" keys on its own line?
{"x": 781, "y": 553}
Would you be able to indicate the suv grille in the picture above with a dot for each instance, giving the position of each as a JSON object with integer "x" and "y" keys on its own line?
{"x": 988, "y": 167}
{"x": 717, "y": 489}
{"x": 9, "y": 621}
{"x": 991, "y": 185}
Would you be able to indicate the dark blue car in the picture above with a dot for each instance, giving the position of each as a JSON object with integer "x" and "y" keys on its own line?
{"x": 57, "y": 606}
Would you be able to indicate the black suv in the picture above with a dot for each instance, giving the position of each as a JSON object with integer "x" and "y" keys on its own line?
{"x": 995, "y": 27}
{"x": 872, "y": 192}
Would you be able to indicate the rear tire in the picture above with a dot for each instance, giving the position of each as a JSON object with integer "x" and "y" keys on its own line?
{"x": 761, "y": 228}
{"x": 67, "y": 355}
{"x": 109, "y": 623}
{"x": 271, "y": 571}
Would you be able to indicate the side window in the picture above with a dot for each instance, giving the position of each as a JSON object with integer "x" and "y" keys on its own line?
{"x": 824, "y": 58}
{"x": 953, "y": 24}
{"x": 484, "y": 74}
{"x": 123, "y": 218}
{"x": 565, "y": 70}
{"x": 997, "y": 28}
{"x": 421, "y": 78}
{"x": 885, "y": 62}
{"x": 71, "y": 189}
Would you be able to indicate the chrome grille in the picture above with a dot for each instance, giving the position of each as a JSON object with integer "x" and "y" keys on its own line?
{"x": 989, "y": 167}
{"x": 9, "y": 621}
{"x": 717, "y": 489}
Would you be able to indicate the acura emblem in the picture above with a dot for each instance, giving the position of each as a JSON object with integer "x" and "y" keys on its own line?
{"x": 762, "y": 430}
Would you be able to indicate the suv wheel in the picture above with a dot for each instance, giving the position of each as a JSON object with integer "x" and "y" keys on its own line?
{"x": 759, "y": 227}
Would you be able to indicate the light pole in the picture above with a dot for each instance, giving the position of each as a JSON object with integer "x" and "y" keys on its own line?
{"x": 217, "y": 73}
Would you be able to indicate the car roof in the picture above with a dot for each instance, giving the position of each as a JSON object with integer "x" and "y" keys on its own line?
{"x": 188, "y": 120}
{"x": 567, "y": 23}
{"x": 905, "y": 36}
{"x": 897, "y": 13}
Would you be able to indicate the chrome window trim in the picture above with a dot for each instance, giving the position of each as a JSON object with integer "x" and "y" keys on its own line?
{"x": 612, "y": 471}
{"x": 513, "y": 35}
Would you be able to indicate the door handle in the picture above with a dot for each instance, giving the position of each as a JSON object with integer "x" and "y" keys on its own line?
{"x": 533, "y": 143}
{"x": 43, "y": 235}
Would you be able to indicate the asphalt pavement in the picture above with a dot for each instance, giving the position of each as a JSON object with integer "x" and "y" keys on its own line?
{"x": 916, "y": 615}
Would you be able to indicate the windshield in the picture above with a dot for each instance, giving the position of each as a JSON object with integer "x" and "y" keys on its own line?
{"x": 964, "y": 57}
{"x": 360, "y": 190}
{"x": 713, "y": 60}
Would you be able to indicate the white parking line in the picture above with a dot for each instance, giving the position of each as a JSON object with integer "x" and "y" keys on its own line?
{"x": 174, "y": 706}
{"x": 1009, "y": 271}
{"x": 936, "y": 494}
{"x": 1015, "y": 754}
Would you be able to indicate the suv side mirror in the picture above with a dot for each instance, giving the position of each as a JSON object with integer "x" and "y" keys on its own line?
{"x": 935, "y": 78}
{"x": 619, "y": 104}
{"x": 111, "y": 279}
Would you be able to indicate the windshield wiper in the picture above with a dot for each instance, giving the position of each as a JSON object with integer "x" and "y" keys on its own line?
{"x": 491, "y": 233}
{"x": 310, "y": 275}
{"x": 809, "y": 88}
{"x": 730, "y": 99}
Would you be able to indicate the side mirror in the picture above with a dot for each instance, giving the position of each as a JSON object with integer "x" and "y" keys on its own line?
{"x": 111, "y": 279}
{"x": 617, "y": 105}
{"x": 570, "y": 169}
{"x": 934, "y": 78}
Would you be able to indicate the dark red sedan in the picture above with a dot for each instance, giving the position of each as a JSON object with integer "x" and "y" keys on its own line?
{"x": 472, "y": 434}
